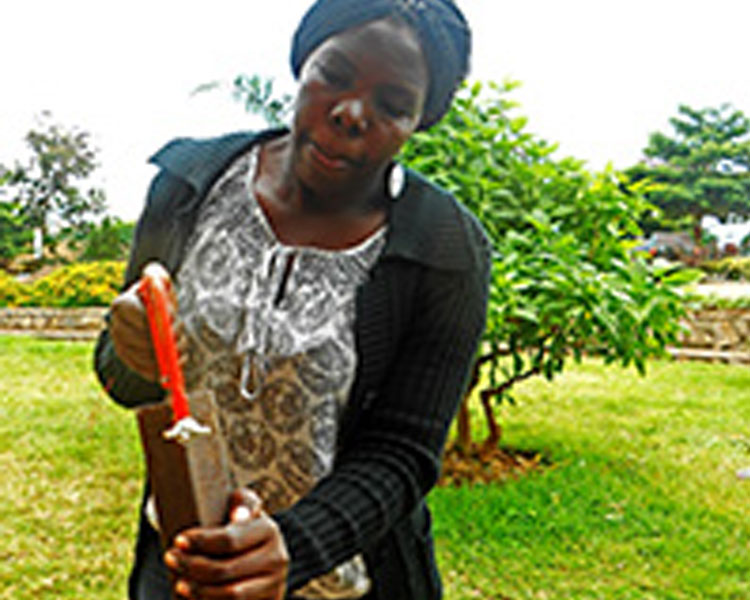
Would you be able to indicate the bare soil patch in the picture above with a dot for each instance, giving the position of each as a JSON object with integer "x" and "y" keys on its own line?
{"x": 482, "y": 464}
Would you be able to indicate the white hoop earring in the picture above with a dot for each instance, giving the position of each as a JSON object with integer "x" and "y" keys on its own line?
{"x": 396, "y": 181}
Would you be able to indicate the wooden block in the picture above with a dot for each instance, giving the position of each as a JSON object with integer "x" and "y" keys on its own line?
{"x": 191, "y": 482}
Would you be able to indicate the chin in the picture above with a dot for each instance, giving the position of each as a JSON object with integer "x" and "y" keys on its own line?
{"x": 322, "y": 183}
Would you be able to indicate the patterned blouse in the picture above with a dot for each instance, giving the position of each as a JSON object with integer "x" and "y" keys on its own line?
{"x": 270, "y": 338}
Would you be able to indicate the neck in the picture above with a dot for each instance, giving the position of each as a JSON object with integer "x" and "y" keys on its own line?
{"x": 356, "y": 202}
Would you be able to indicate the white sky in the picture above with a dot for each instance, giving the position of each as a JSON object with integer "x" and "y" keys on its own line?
{"x": 598, "y": 75}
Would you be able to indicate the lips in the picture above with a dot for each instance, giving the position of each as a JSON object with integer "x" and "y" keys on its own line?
{"x": 330, "y": 160}
{"x": 326, "y": 160}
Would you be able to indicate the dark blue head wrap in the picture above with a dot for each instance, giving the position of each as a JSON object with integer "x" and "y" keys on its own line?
{"x": 440, "y": 26}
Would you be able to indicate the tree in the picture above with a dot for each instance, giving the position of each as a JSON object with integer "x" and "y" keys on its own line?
{"x": 15, "y": 237}
{"x": 51, "y": 181}
{"x": 109, "y": 240}
{"x": 257, "y": 96}
{"x": 702, "y": 167}
{"x": 565, "y": 279}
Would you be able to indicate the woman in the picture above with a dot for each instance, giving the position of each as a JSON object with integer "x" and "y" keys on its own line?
{"x": 331, "y": 303}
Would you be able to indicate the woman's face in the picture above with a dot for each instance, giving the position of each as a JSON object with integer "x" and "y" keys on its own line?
{"x": 360, "y": 98}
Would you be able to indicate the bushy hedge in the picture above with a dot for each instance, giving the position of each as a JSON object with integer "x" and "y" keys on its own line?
{"x": 712, "y": 302}
{"x": 10, "y": 290}
{"x": 731, "y": 268}
{"x": 80, "y": 284}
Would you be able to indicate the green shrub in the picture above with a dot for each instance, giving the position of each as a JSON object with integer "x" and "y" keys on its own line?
{"x": 15, "y": 234}
{"x": 714, "y": 302}
{"x": 80, "y": 284}
{"x": 732, "y": 268}
{"x": 12, "y": 293}
{"x": 110, "y": 240}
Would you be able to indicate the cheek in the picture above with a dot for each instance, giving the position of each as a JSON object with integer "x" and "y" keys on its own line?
{"x": 309, "y": 102}
{"x": 398, "y": 133}
{"x": 302, "y": 108}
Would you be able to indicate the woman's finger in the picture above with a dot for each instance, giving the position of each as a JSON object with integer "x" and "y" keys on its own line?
{"x": 270, "y": 587}
{"x": 229, "y": 540}
{"x": 261, "y": 561}
{"x": 244, "y": 504}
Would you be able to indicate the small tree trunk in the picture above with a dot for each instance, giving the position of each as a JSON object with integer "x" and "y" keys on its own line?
{"x": 463, "y": 443}
{"x": 495, "y": 430}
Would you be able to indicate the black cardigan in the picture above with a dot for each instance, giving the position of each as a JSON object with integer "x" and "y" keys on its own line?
{"x": 418, "y": 321}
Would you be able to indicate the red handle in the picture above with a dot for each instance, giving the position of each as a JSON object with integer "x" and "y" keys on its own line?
{"x": 155, "y": 291}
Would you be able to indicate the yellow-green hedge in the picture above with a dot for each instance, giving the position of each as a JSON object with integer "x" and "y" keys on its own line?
{"x": 10, "y": 290}
{"x": 80, "y": 284}
{"x": 732, "y": 268}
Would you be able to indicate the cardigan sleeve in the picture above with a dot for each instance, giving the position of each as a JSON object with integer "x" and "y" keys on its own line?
{"x": 394, "y": 457}
{"x": 155, "y": 238}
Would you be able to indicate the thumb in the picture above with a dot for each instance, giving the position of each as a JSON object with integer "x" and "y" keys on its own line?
{"x": 244, "y": 505}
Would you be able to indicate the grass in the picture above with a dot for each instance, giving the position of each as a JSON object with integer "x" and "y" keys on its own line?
{"x": 69, "y": 494}
{"x": 641, "y": 502}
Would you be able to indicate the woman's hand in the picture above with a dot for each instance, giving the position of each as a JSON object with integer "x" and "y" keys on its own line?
{"x": 131, "y": 337}
{"x": 246, "y": 559}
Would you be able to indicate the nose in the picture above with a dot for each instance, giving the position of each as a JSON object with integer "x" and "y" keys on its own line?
{"x": 349, "y": 115}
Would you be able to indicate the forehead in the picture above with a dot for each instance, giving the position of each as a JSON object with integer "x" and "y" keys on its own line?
{"x": 385, "y": 48}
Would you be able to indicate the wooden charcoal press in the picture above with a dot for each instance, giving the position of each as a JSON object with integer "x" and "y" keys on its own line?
{"x": 185, "y": 456}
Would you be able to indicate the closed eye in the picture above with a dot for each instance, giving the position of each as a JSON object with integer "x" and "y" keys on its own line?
{"x": 334, "y": 77}
{"x": 397, "y": 103}
{"x": 395, "y": 110}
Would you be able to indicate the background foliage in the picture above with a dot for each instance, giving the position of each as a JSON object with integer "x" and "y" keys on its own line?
{"x": 11, "y": 291}
{"x": 257, "y": 95}
{"x": 108, "y": 240}
{"x": 52, "y": 181}
{"x": 702, "y": 167}
{"x": 80, "y": 284}
{"x": 15, "y": 235}
{"x": 731, "y": 268}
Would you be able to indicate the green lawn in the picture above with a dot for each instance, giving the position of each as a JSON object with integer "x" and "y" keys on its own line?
{"x": 642, "y": 500}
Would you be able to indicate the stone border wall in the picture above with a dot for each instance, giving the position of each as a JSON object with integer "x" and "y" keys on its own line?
{"x": 718, "y": 329}
{"x": 712, "y": 334}
{"x": 57, "y": 323}
{"x": 716, "y": 335}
